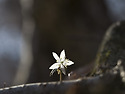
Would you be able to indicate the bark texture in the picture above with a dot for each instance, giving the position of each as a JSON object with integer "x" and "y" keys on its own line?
{"x": 112, "y": 48}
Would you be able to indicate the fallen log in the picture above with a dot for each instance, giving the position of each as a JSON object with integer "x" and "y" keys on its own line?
{"x": 108, "y": 76}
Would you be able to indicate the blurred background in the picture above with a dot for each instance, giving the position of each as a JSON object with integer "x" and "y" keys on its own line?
{"x": 30, "y": 30}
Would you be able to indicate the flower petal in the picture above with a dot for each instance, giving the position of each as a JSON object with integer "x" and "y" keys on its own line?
{"x": 55, "y": 66}
{"x": 51, "y": 73}
{"x": 63, "y": 71}
{"x": 67, "y": 63}
{"x": 62, "y": 55}
{"x": 62, "y": 66}
{"x": 56, "y": 56}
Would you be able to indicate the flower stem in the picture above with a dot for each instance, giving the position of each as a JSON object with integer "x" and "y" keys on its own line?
{"x": 60, "y": 76}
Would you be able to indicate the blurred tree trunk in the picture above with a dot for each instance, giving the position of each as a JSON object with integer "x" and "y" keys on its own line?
{"x": 26, "y": 57}
{"x": 16, "y": 30}
{"x": 10, "y": 39}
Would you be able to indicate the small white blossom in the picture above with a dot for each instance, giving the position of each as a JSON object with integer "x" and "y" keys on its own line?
{"x": 61, "y": 62}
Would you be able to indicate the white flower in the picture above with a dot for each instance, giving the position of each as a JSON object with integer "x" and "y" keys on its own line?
{"x": 61, "y": 62}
